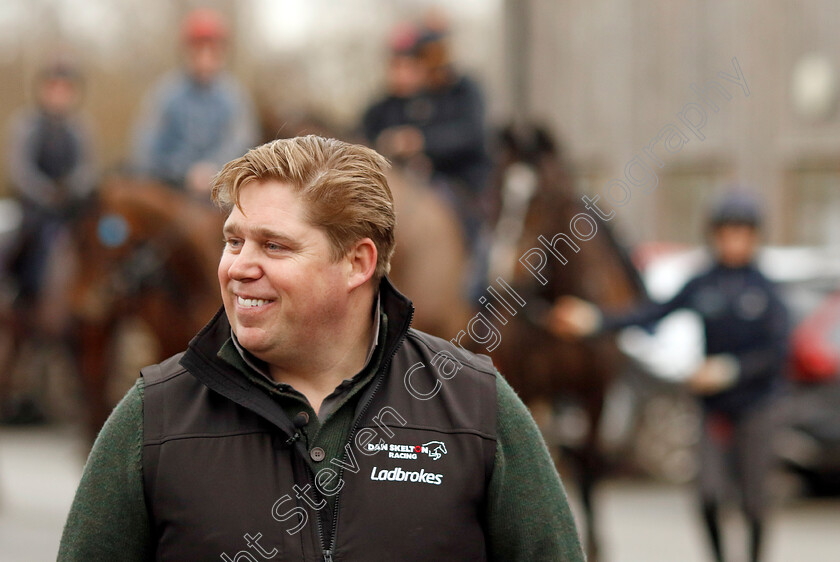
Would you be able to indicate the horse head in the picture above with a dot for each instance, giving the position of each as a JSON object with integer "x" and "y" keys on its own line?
{"x": 531, "y": 186}
{"x": 136, "y": 239}
{"x": 528, "y": 143}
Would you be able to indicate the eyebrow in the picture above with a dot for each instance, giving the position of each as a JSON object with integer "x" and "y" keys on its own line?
{"x": 261, "y": 232}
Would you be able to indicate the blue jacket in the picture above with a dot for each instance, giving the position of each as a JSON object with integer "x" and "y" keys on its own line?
{"x": 184, "y": 123}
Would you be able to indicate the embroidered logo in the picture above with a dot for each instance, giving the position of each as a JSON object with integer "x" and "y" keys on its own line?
{"x": 434, "y": 449}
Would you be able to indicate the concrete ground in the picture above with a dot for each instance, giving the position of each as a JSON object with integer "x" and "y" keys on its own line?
{"x": 39, "y": 471}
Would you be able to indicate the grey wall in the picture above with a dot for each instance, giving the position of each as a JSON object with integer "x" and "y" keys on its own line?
{"x": 610, "y": 74}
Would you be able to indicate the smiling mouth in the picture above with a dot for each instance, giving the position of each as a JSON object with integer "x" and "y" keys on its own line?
{"x": 251, "y": 303}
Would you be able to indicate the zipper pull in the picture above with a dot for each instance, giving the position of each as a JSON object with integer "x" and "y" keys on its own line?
{"x": 328, "y": 556}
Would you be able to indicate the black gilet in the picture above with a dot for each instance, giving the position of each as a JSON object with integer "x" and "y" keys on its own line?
{"x": 226, "y": 478}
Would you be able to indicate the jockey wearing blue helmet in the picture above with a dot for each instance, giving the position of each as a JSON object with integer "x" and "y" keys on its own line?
{"x": 736, "y": 207}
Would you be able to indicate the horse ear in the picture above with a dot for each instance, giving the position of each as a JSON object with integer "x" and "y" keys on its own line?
{"x": 506, "y": 139}
{"x": 545, "y": 141}
{"x": 529, "y": 141}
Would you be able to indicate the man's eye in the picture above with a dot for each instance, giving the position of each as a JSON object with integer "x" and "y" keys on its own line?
{"x": 273, "y": 247}
{"x": 233, "y": 242}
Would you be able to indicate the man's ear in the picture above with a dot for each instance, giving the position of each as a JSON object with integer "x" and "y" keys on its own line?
{"x": 361, "y": 260}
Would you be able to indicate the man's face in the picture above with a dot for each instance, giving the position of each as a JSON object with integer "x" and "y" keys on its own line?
{"x": 281, "y": 289}
{"x": 58, "y": 96}
{"x": 735, "y": 244}
{"x": 205, "y": 59}
{"x": 406, "y": 75}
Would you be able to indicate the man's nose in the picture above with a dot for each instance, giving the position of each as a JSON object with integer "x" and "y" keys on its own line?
{"x": 245, "y": 264}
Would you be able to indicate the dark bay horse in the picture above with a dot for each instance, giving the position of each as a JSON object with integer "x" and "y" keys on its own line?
{"x": 34, "y": 363}
{"x": 145, "y": 252}
{"x": 535, "y": 197}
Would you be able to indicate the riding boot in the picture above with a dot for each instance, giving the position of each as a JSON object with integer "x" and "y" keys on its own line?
{"x": 710, "y": 518}
{"x": 756, "y": 534}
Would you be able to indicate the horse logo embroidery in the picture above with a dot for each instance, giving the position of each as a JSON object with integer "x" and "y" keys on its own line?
{"x": 435, "y": 449}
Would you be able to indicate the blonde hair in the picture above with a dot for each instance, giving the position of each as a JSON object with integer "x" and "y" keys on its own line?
{"x": 343, "y": 186}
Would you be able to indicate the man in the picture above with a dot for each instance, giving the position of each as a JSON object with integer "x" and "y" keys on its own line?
{"x": 51, "y": 166}
{"x": 746, "y": 329}
{"x": 390, "y": 123}
{"x": 454, "y": 136}
{"x": 307, "y": 421}
{"x": 431, "y": 110}
{"x": 197, "y": 119}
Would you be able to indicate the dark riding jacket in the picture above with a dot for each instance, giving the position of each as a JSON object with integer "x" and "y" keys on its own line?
{"x": 227, "y": 476}
{"x": 743, "y": 317}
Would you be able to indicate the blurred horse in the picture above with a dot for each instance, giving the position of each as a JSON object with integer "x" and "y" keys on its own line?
{"x": 33, "y": 321}
{"x": 144, "y": 251}
{"x": 535, "y": 197}
{"x": 430, "y": 263}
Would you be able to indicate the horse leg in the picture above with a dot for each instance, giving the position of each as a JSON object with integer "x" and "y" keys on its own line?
{"x": 591, "y": 470}
{"x": 12, "y": 340}
{"x": 93, "y": 364}
{"x": 22, "y": 384}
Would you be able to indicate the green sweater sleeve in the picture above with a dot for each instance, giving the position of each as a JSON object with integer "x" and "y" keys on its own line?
{"x": 528, "y": 514}
{"x": 108, "y": 519}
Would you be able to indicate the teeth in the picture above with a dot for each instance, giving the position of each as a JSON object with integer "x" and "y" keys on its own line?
{"x": 251, "y": 302}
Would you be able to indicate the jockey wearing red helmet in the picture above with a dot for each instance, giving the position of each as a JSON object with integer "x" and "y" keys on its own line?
{"x": 196, "y": 118}
{"x": 204, "y": 24}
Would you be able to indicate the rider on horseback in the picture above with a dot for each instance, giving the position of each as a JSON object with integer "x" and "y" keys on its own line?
{"x": 51, "y": 167}
{"x": 197, "y": 119}
{"x": 432, "y": 120}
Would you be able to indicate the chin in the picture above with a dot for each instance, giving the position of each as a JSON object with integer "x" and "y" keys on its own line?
{"x": 250, "y": 339}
